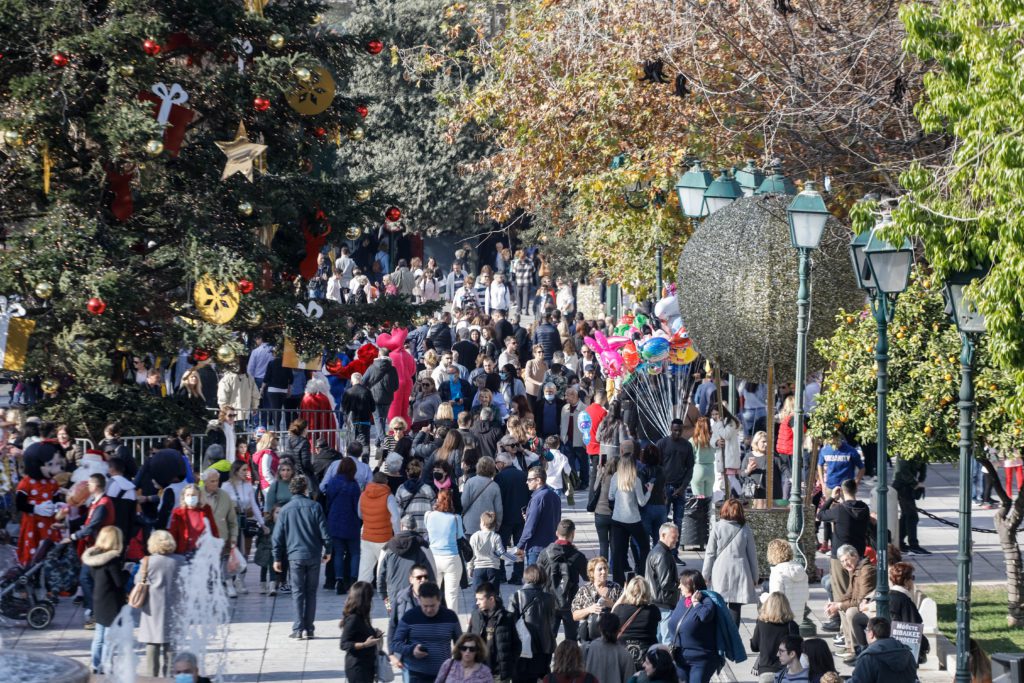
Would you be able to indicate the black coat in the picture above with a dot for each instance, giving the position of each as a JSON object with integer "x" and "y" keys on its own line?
{"x": 439, "y": 337}
{"x": 468, "y": 352}
{"x": 547, "y": 336}
{"x": 361, "y": 663}
{"x": 515, "y": 496}
{"x": 109, "y": 581}
{"x": 297, "y": 448}
{"x": 564, "y": 565}
{"x": 498, "y": 629}
{"x": 851, "y": 520}
{"x": 537, "y": 607}
{"x": 765, "y": 642}
{"x": 663, "y": 576}
{"x": 382, "y": 381}
{"x": 522, "y": 336}
{"x": 357, "y": 402}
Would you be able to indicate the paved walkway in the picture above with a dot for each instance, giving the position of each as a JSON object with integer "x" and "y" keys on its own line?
{"x": 257, "y": 648}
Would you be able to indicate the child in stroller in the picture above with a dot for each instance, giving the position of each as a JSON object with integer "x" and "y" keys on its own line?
{"x": 23, "y": 594}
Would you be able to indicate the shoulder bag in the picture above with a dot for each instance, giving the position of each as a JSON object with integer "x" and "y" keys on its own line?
{"x": 140, "y": 591}
{"x": 523, "y": 631}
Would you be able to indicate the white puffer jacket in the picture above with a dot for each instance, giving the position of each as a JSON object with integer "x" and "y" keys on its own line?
{"x": 790, "y": 579}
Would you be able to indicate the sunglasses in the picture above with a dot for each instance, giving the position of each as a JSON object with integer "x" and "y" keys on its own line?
{"x": 468, "y": 648}
{"x": 533, "y": 479}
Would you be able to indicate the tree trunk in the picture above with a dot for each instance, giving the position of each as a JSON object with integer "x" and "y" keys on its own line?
{"x": 1008, "y": 519}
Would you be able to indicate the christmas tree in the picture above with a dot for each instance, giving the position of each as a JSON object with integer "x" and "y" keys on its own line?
{"x": 409, "y": 94}
{"x": 168, "y": 172}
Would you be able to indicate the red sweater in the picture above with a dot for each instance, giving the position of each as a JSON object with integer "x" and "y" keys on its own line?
{"x": 784, "y": 444}
{"x": 188, "y": 524}
{"x": 597, "y": 414}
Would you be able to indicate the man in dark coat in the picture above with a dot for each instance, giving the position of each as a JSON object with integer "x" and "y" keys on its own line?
{"x": 677, "y": 460}
{"x": 467, "y": 349}
{"x": 851, "y": 518}
{"x": 502, "y": 328}
{"x": 358, "y": 405}
{"x": 522, "y": 335}
{"x": 439, "y": 336}
{"x": 662, "y": 575}
{"x": 382, "y": 381}
{"x": 547, "y": 336}
{"x": 406, "y": 550}
{"x": 492, "y": 622}
{"x": 564, "y": 565}
{"x": 515, "y": 497}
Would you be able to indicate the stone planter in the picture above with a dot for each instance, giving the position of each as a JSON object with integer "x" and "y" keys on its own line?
{"x": 31, "y": 667}
{"x": 768, "y": 524}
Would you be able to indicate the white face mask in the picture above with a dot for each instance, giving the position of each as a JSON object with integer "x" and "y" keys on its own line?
{"x": 549, "y": 397}
{"x": 191, "y": 501}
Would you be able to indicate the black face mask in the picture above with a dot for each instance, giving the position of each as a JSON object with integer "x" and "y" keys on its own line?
{"x": 438, "y": 476}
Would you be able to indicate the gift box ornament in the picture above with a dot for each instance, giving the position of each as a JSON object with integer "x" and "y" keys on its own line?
{"x": 171, "y": 113}
{"x": 14, "y": 334}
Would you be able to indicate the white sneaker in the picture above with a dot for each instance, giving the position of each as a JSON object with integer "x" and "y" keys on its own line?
{"x": 240, "y": 586}
{"x": 231, "y": 589}
{"x": 273, "y": 588}
{"x": 263, "y": 587}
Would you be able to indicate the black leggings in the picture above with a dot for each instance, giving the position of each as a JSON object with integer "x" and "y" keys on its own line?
{"x": 621, "y": 535}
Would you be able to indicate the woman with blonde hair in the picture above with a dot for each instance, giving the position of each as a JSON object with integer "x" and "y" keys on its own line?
{"x": 639, "y": 618}
{"x": 108, "y": 594}
{"x": 190, "y": 391}
{"x": 266, "y": 460}
{"x": 160, "y": 570}
{"x": 598, "y": 595}
{"x": 430, "y": 362}
{"x": 629, "y": 494}
{"x": 571, "y": 357}
{"x": 774, "y": 624}
{"x": 784, "y": 447}
{"x": 703, "y": 481}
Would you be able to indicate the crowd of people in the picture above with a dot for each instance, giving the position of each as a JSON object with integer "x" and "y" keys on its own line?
{"x": 506, "y": 428}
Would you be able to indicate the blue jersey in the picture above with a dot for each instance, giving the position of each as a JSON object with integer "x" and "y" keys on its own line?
{"x": 840, "y": 463}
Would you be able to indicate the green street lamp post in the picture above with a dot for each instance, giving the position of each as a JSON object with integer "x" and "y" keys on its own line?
{"x": 807, "y": 218}
{"x": 750, "y": 178}
{"x": 883, "y": 271}
{"x": 970, "y": 324}
{"x": 691, "y": 187}
{"x": 722, "y": 192}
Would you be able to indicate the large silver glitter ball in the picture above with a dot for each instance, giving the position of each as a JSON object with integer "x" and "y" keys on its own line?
{"x": 738, "y": 283}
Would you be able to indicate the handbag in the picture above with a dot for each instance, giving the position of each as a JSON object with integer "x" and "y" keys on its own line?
{"x": 140, "y": 591}
{"x": 385, "y": 674}
{"x": 595, "y": 496}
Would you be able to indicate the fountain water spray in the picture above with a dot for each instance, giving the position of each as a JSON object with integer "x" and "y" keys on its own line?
{"x": 120, "y": 660}
{"x": 202, "y": 614}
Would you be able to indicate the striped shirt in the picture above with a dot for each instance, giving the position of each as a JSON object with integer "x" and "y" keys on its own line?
{"x": 434, "y": 634}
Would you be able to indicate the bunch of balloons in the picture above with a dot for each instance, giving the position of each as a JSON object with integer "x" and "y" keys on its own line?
{"x": 626, "y": 353}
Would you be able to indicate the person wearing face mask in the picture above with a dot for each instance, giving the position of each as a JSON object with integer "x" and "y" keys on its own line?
{"x": 511, "y": 386}
{"x": 186, "y": 669}
{"x": 549, "y": 412}
{"x": 191, "y": 519}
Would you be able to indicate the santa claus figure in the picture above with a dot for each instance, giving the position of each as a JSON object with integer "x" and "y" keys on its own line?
{"x": 317, "y": 409}
{"x": 36, "y": 497}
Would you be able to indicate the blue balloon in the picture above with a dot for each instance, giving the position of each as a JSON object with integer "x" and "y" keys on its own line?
{"x": 655, "y": 349}
{"x": 584, "y": 423}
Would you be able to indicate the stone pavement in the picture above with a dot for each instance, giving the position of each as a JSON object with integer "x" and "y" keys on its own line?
{"x": 257, "y": 648}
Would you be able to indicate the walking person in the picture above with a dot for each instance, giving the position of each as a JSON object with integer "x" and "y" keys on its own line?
{"x": 908, "y": 480}
{"x": 301, "y": 539}
{"x": 515, "y": 497}
{"x": 693, "y": 625}
{"x": 104, "y": 560}
{"x": 468, "y": 663}
{"x": 344, "y": 524}
{"x": 628, "y": 494}
{"x": 424, "y": 636}
{"x": 607, "y": 658}
{"x": 594, "y": 598}
{"x": 639, "y": 618}
{"x": 444, "y": 528}
{"x": 702, "y": 482}
{"x": 730, "y": 565}
{"x": 378, "y": 508}
{"x": 542, "y": 516}
{"x": 773, "y": 625}
{"x": 663, "y": 576}
{"x": 160, "y": 573}
{"x": 564, "y": 565}
{"x": 537, "y": 609}
{"x": 677, "y": 463}
{"x": 359, "y": 639}
{"x": 492, "y": 622}
{"x": 225, "y": 516}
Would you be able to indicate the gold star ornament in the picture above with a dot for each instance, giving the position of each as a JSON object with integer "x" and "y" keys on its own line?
{"x": 242, "y": 154}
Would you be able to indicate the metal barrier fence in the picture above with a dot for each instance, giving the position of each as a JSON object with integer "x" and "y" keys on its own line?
{"x": 141, "y": 446}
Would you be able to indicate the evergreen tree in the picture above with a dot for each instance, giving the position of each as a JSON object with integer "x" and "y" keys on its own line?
{"x": 141, "y": 221}
{"x": 408, "y": 146}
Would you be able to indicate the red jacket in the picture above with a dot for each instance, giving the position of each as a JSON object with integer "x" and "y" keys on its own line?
{"x": 784, "y": 444}
{"x": 597, "y": 414}
{"x": 101, "y": 514}
{"x": 188, "y": 524}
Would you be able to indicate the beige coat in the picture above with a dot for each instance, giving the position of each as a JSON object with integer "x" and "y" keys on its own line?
{"x": 238, "y": 391}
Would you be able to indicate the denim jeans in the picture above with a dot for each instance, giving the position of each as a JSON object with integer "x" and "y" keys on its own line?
{"x": 345, "y": 548}
{"x": 489, "y": 575}
{"x": 510, "y": 535}
{"x": 100, "y": 647}
{"x": 532, "y": 554}
{"x": 676, "y": 506}
{"x": 977, "y": 480}
{"x": 305, "y": 578}
{"x": 580, "y": 462}
{"x": 86, "y": 582}
{"x": 652, "y": 517}
{"x": 750, "y": 418}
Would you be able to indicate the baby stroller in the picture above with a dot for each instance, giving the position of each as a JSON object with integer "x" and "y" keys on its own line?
{"x": 23, "y": 592}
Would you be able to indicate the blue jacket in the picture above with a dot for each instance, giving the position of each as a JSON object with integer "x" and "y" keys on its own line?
{"x": 300, "y": 533}
{"x": 542, "y": 516}
{"x": 698, "y": 631}
{"x": 727, "y": 635}
{"x": 435, "y": 634}
{"x": 343, "y": 507}
{"x": 515, "y": 495}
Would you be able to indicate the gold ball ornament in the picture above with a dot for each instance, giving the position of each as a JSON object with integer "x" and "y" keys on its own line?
{"x": 254, "y": 318}
{"x": 122, "y": 346}
{"x": 50, "y": 386}
{"x": 12, "y": 138}
{"x": 992, "y": 387}
{"x": 226, "y": 354}
{"x": 353, "y": 233}
{"x": 126, "y": 70}
{"x": 44, "y": 290}
{"x": 317, "y": 19}
{"x": 356, "y": 134}
{"x": 303, "y": 74}
{"x": 364, "y": 195}
{"x": 245, "y": 209}
{"x": 217, "y": 302}
{"x": 849, "y": 320}
{"x": 276, "y": 41}
{"x": 928, "y": 430}
{"x": 154, "y": 148}
{"x": 948, "y": 377}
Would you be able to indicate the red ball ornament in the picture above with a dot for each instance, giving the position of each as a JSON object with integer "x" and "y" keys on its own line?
{"x": 60, "y": 60}
{"x": 393, "y": 214}
{"x": 261, "y": 104}
{"x": 151, "y": 47}
{"x": 320, "y": 132}
{"x": 375, "y": 47}
{"x": 362, "y": 111}
{"x": 96, "y": 306}
{"x": 245, "y": 286}
{"x": 200, "y": 355}
{"x": 333, "y": 365}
